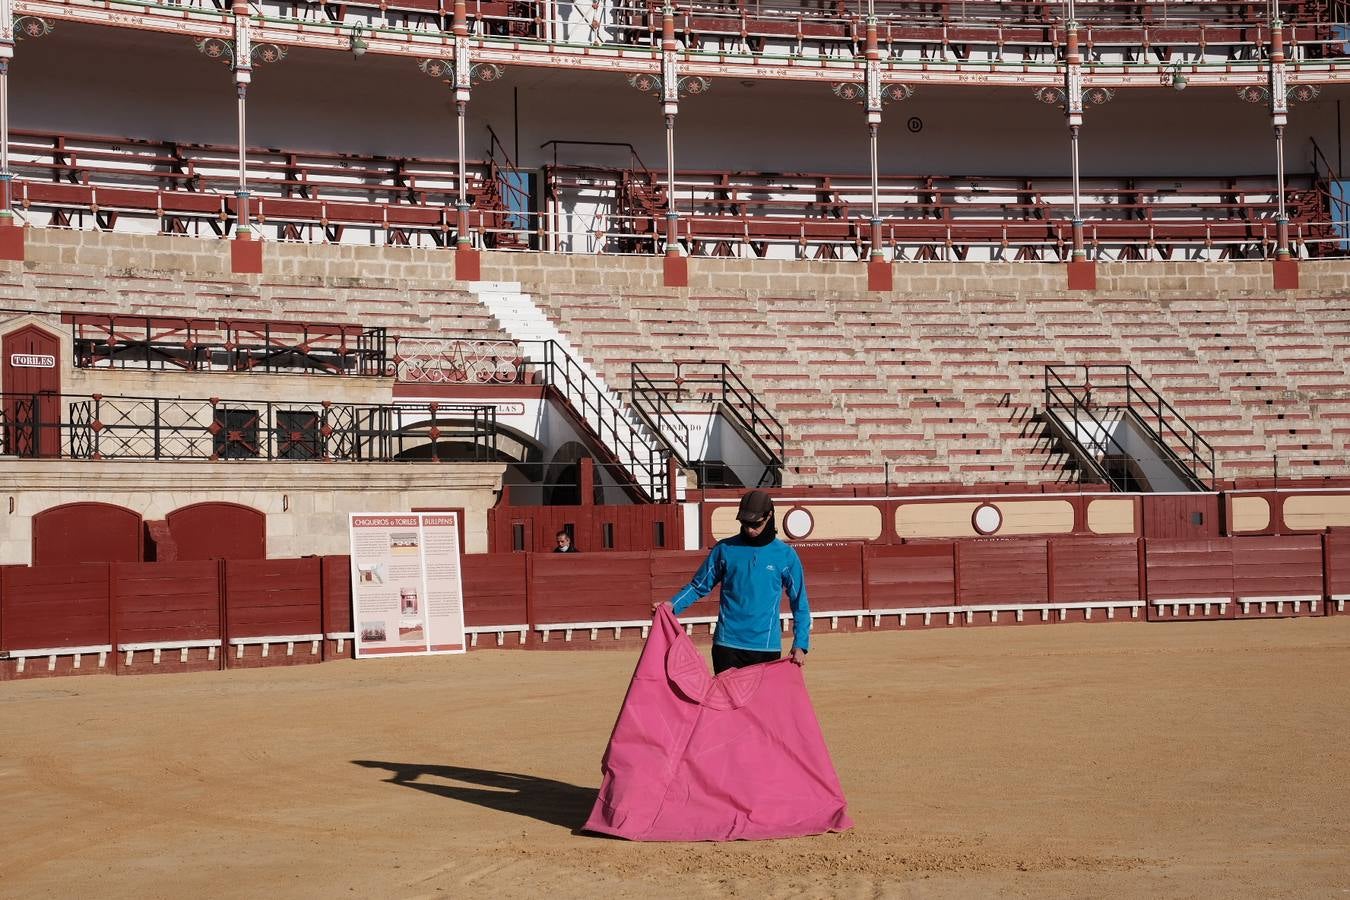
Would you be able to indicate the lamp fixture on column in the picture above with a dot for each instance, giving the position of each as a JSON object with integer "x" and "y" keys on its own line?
{"x": 1177, "y": 80}
{"x": 358, "y": 43}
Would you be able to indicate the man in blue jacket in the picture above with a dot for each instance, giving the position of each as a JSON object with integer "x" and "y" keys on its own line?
{"x": 754, "y": 569}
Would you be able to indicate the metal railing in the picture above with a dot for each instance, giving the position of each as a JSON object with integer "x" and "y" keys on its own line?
{"x": 469, "y": 361}
{"x": 98, "y": 426}
{"x": 458, "y": 360}
{"x": 655, "y": 388}
{"x": 602, "y": 412}
{"x": 236, "y": 345}
{"x": 1092, "y": 399}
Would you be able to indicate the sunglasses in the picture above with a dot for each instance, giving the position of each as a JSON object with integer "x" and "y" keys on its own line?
{"x": 757, "y": 522}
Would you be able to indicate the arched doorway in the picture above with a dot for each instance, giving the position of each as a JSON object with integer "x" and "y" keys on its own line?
{"x": 216, "y": 530}
{"x": 562, "y": 475}
{"x": 86, "y": 532}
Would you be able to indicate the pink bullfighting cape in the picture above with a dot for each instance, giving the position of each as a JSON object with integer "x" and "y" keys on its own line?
{"x": 700, "y": 758}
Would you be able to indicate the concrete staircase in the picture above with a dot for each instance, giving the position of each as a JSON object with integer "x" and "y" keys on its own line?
{"x": 603, "y": 409}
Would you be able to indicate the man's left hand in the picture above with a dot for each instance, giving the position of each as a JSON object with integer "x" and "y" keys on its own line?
{"x": 798, "y": 656}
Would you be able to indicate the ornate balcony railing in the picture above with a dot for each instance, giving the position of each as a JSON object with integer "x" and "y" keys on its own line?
{"x": 97, "y": 426}
{"x": 428, "y": 360}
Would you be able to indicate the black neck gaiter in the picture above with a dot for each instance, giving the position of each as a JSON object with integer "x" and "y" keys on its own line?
{"x": 765, "y": 537}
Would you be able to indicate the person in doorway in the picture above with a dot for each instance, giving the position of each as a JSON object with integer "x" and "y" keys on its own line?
{"x": 754, "y": 569}
{"x": 563, "y": 543}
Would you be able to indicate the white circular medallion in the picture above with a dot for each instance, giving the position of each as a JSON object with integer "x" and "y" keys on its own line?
{"x": 798, "y": 524}
{"x": 987, "y": 519}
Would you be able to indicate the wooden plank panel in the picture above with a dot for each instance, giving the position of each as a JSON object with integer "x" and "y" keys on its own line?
{"x": 1174, "y": 516}
{"x": 834, "y": 576}
{"x": 1337, "y": 562}
{"x": 336, "y": 572}
{"x": 1002, "y": 571}
{"x": 55, "y": 606}
{"x": 1278, "y": 566}
{"x": 494, "y": 589}
{"x": 910, "y": 575}
{"x": 672, "y": 570}
{"x": 1178, "y": 569}
{"x": 1088, "y": 569}
{"x": 272, "y": 597}
{"x": 165, "y": 601}
{"x": 590, "y": 587}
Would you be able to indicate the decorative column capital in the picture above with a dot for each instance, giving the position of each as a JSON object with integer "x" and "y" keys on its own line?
{"x": 1053, "y": 96}
{"x": 461, "y": 74}
{"x": 875, "y": 98}
{"x": 224, "y": 51}
{"x": 656, "y": 86}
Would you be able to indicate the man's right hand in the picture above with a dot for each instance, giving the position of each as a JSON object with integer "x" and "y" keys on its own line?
{"x": 657, "y": 604}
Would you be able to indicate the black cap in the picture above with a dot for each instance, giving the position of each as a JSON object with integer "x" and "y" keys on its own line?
{"x": 754, "y": 506}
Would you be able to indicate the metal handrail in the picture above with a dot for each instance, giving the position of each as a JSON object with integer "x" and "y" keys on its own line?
{"x": 757, "y": 419}
{"x": 1081, "y": 408}
{"x": 608, "y": 421}
{"x": 1147, "y": 407}
{"x": 734, "y": 396}
{"x": 665, "y": 420}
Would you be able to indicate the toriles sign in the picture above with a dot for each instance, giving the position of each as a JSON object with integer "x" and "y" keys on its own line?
{"x": 32, "y": 360}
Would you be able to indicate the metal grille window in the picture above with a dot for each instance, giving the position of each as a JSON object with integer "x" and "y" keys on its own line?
{"x": 298, "y": 435}
{"x": 235, "y": 433}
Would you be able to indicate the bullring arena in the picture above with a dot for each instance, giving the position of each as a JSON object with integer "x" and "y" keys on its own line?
{"x": 1120, "y": 760}
{"x": 1033, "y": 318}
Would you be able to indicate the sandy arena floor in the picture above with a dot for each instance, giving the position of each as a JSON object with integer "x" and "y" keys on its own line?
{"x": 1123, "y": 760}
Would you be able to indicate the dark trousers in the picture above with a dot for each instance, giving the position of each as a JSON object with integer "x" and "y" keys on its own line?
{"x": 733, "y": 658}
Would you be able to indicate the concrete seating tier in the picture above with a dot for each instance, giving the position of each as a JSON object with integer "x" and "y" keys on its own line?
{"x": 941, "y": 390}
{"x": 418, "y": 310}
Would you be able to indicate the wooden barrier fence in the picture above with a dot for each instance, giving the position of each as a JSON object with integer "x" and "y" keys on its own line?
{"x": 131, "y": 618}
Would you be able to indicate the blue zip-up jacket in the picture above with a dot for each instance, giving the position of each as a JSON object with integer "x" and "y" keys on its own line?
{"x": 753, "y": 580}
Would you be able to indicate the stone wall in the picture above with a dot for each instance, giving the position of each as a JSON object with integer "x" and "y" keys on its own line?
{"x": 1115, "y": 280}
{"x": 306, "y": 503}
{"x": 345, "y": 267}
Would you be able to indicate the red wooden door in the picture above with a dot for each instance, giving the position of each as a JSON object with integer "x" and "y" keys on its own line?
{"x": 31, "y": 377}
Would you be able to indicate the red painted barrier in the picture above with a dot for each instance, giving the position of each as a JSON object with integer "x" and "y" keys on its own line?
{"x": 172, "y": 606}
{"x": 1189, "y": 579}
{"x": 335, "y": 573}
{"x": 1001, "y": 572}
{"x": 909, "y": 575}
{"x": 495, "y": 592}
{"x": 672, "y": 571}
{"x": 834, "y": 581}
{"x": 54, "y": 607}
{"x": 1102, "y": 570}
{"x": 268, "y": 612}
{"x": 1277, "y": 576}
{"x": 590, "y": 587}
{"x": 1336, "y": 557}
{"x": 273, "y": 598}
{"x": 834, "y": 576}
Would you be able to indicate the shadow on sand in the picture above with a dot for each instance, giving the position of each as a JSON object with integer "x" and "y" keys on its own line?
{"x": 554, "y": 802}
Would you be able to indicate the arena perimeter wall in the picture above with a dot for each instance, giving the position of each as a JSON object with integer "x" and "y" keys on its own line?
{"x": 132, "y": 618}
